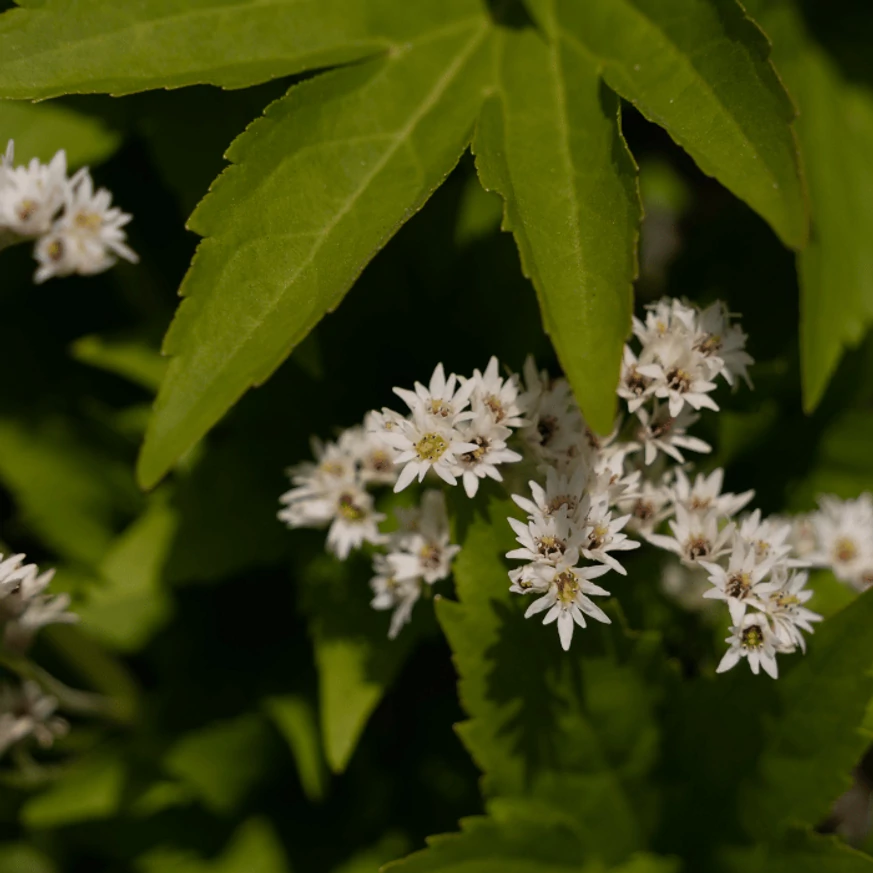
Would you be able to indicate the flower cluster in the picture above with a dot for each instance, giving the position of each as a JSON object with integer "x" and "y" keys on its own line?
{"x": 591, "y": 494}
{"x": 457, "y": 428}
{"x": 75, "y": 229}
{"x": 25, "y": 712}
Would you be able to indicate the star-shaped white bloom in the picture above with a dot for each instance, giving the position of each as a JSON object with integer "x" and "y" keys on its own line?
{"x": 354, "y": 521}
{"x": 705, "y": 494}
{"x": 659, "y": 431}
{"x": 421, "y": 548}
{"x": 27, "y": 712}
{"x": 491, "y": 451}
{"x": 563, "y": 492}
{"x": 696, "y": 536}
{"x": 497, "y": 396}
{"x": 425, "y": 443}
{"x": 786, "y": 595}
{"x": 754, "y": 640}
{"x": 443, "y": 399}
{"x": 389, "y": 592}
{"x": 31, "y": 196}
{"x": 723, "y": 344}
{"x": 844, "y": 533}
{"x": 603, "y": 535}
{"x": 548, "y": 539}
{"x": 87, "y": 238}
{"x": 566, "y": 600}
{"x": 739, "y": 584}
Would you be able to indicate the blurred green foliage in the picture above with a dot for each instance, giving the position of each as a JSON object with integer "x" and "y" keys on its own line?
{"x": 261, "y": 720}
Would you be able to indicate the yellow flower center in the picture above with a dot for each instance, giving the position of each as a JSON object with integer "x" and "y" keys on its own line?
{"x": 431, "y": 447}
{"x": 568, "y": 586}
{"x": 349, "y": 509}
{"x": 845, "y": 550}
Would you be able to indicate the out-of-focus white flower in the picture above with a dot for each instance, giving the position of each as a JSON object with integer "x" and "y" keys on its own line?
{"x": 722, "y": 344}
{"x": 31, "y": 196}
{"x": 390, "y": 592}
{"x": 844, "y": 535}
{"x": 26, "y": 712}
{"x": 603, "y": 535}
{"x": 424, "y": 550}
{"x": 87, "y": 238}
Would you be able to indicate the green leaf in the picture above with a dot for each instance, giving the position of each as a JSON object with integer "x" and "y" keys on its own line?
{"x": 297, "y": 720}
{"x": 356, "y": 661}
{"x": 549, "y": 143}
{"x": 43, "y": 129}
{"x": 701, "y": 70}
{"x": 799, "y": 852}
{"x": 836, "y": 133}
{"x": 317, "y": 186}
{"x": 253, "y": 848}
{"x": 131, "y": 359}
{"x": 69, "y": 494}
{"x": 91, "y": 789}
{"x": 222, "y": 761}
{"x": 517, "y": 838}
{"x": 130, "y": 602}
{"x": 575, "y": 730}
{"x": 368, "y": 860}
{"x": 90, "y": 46}
{"x": 816, "y": 737}
{"x": 22, "y": 858}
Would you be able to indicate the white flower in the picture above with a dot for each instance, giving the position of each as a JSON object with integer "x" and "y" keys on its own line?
{"x": 547, "y": 539}
{"x": 372, "y": 455}
{"x": 652, "y": 504}
{"x": 555, "y": 423}
{"x": 786, "y": 596}
{"x": 567, "y": 597}
{"x": 661, "y": 432}
{"x": 754, "y": 640}
{"x": 844, "y": 532}
{"x": 770, "y": 538}
{"x": 441, "y": 399}
{"x": 423, "y": 549}
{"x": 27, "y": 712}
{"x": 312, "y": 503}
{"x": 603, "y": 535}
{"x": 563, "y": 492}
{"x": 705, "y": 494}
{"x": 490, "y": 450}
{"x": 424, "y": 444}
{"x": 665, "y": 320}
{"x": 738, "y": 584}
{"x": 722, "y": 344}
{"x": 31, "y": 196}
{"x": 390, "y": 592}
{"x": 681, "y": 378}
{"x": 633, "y": 386}
{"x": 497, "y": 396}
{"x": 87, "y": 238}
{"x": 354, "y": 522}
{"x": 696, "y": 536}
